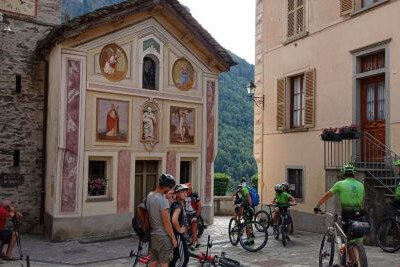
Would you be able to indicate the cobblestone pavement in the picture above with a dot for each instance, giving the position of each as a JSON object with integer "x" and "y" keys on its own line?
{"x": 302, "y": 250}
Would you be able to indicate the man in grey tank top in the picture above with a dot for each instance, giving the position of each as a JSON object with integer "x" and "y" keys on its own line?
{"x": 162, "y": 236}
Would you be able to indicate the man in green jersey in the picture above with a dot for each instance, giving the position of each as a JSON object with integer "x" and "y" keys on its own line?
{"x": 351, "y": 196}
{"x": 281, "y": 199}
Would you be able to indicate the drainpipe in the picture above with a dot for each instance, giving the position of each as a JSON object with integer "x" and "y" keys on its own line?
{"x": 44, "y": 163}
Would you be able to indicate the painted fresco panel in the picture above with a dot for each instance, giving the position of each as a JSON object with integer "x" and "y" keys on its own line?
{"x": 182, "y": 125}
{"x": 112, "y": 120}
{"x": 71, "y": 155}
{"x": 210, "y": 137}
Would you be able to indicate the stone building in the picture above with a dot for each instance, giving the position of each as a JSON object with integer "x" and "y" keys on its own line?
{"x": 23, "y": 104}
{"x": 323, "y": 64}
{"x": 132, "y": 92}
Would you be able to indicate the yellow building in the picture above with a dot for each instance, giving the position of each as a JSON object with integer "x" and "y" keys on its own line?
{"x": 133, "y": 93}
{"x": 322, "y": 64}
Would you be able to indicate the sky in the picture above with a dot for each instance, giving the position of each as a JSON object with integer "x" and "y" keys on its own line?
{"x": 230, "y": 22}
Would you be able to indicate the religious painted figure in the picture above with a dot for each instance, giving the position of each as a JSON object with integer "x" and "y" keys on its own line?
{"x": 113, "y": 62}
{"x": 112, "y": 120}
{"x": 182, "y": 127}
{"x": 183, "y": 74}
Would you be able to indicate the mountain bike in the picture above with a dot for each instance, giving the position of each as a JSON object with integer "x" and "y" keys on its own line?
{"x": 349, "y": 252}
{"x": 139, "y": 256}
{"x": 388, "y": 235}
{"x": 282, "y": 227}
{"x": 252, "y": 235}
{"x": 265, "y": 217}
{"x": 210, "y": 260}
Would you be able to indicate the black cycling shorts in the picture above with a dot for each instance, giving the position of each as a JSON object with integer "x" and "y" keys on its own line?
{"x": 5, "y": 236}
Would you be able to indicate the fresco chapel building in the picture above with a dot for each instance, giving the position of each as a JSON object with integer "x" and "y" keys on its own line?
{"x": 132, "y": 93}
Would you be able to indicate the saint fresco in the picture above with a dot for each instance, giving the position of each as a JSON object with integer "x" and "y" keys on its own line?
{"x": 183, "y": 74}
{"x": 182, "y": 129}
{"x": 113, "y": 63}
{"x": 112, "y": 120}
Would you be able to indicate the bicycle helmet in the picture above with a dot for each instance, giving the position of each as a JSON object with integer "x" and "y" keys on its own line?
{"x": 285, "y": 186}
{"x": 180, "y": 187}
{"x": 278, "y": 187}
{"x": 166, "y": 180}
{"x": 397, "y": 163}
{"x": 348, "y": 169}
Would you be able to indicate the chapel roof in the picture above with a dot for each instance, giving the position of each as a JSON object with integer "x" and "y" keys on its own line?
{"x": 121, "y": 10}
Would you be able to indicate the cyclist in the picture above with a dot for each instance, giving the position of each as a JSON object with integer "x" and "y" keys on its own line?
{"x": 281, "y": 199}
{"x": 351, "y": 197}
{"x": 193, "y": 207}
{"x": 243, "y": 206}
{"x": 397, "y": 192}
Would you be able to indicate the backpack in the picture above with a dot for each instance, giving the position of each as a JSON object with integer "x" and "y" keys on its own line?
{"x": 255, "y": 197}
{"x": 140, "y": 222}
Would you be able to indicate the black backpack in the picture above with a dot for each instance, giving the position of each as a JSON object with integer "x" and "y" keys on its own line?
{"x": 140, "y": 222}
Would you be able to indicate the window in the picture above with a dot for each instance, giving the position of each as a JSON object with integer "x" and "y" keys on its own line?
{"x": 356, "y": 6}
{"x": 295, "y": 18}
{"x": 296, "y": 98}
{"x": 98, "y": 180}
{"x": 295, "y": 181}
{"x": 149, "y": 73}
{"x": 365, "y": 3}
{"x": 372, "y": 62}
{"x": 296, "y": 102}
{"x": 185, "y": 172}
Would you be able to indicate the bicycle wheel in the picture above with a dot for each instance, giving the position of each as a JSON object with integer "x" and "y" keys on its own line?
{"x": 388, "y": 235}
{"x": 200, "y": 226}
{"x": 283, "y": 227}
{"x": 226, "y": 262}
{"x": 263, "y": 218}
{"x": 289, "y": 225}
{"x": 233, "y": 231}
{"x": 327, "y": 251}
{"x": 250, "y": 239}
{"x": 357, "y": 255}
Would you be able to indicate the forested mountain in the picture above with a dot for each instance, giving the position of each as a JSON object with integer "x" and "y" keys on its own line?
{"x": 235, "y": 140}
{"x": 235, "y": 129}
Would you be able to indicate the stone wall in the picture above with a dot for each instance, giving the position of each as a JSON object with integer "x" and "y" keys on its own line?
{"x": 223, "y": 206}
{"x": 22, "y": 114}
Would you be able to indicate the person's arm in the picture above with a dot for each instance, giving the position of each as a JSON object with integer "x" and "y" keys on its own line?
{"x": 292, "y": 200}
{"x": 248, "y": 198}
{"x": 175, "y": 221}
{"x": 274, "y": 200}
{"x": 168, "y": 226}
{"x": 199, "y": 208}
{"x": 324, "y": 198}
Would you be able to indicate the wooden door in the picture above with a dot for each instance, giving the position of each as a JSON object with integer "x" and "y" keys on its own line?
{"x": 145, "y": 178}
{"x": 373, "y": 117}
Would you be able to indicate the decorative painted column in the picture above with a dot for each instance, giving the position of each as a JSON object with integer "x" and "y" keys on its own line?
{"x": 171, "y": 162}
{"x": 70, "y": 167}
{"x": 210, "y": 139}
{"x": 123, "y": 185}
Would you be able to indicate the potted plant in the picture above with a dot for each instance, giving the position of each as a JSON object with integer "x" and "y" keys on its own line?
{"x": 330, "y": 134}
{"x": 97, "y": 186}
{"x": 349, "y": 132}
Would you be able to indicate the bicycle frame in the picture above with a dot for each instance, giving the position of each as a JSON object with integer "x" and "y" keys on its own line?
{"x": 337, "y": 229}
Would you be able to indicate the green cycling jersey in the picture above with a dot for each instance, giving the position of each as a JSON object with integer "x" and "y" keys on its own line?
{"x": 350, "y": 192}
{"x": 397, "y": 193}
{"x": 282, "y": 198}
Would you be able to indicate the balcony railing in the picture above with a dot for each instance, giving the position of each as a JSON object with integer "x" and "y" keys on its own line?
{"x": 369, "y": 155}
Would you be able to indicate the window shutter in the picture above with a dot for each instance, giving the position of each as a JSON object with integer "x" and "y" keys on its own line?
{"x": 300, "y": 17}
{"x": 346, "y": 7}
{"x": 309, "y": 99}
{"x": 281, "y": 104}
{"x": 291, "y": 18}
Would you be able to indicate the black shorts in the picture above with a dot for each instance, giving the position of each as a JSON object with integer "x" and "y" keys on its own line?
{"x": 5, "y": 236}
{"x": 351, "y": 215}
